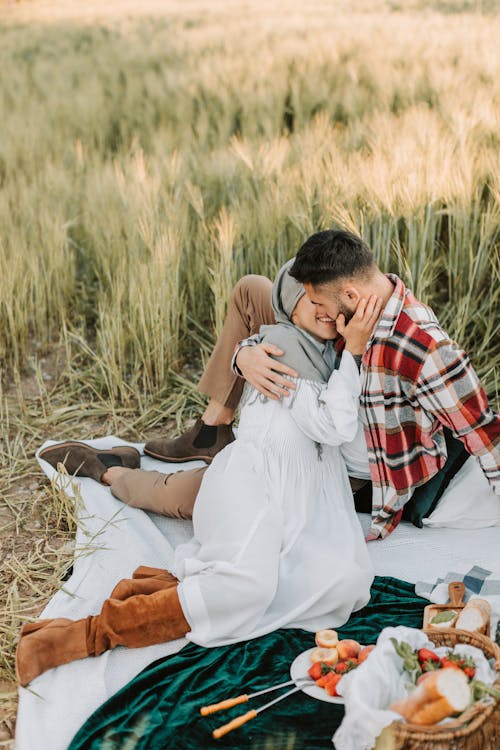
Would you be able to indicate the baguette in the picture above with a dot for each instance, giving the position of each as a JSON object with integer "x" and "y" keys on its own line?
{"x": 475, "y": 616}
{"x": 443, "y": 693}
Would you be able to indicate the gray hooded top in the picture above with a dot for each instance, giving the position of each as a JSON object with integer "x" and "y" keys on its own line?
{"x": 307, "y": 356}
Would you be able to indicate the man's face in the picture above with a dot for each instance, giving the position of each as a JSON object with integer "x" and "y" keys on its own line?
{"x": 328, "y": 301}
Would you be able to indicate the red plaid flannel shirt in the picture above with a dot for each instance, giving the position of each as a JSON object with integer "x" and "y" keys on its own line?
{"x": 415, "y": 381}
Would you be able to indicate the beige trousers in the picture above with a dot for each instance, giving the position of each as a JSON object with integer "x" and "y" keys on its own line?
{"x": 174, "y": 494}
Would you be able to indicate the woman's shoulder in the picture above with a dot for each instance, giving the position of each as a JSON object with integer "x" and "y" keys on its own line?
{"x": 278, "y": 334}
{"x": 297, "y": 352}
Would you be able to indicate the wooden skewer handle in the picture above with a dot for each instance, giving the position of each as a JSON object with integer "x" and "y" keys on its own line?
{"x": 234, "y": 724}
{"x": 229, "y": 703}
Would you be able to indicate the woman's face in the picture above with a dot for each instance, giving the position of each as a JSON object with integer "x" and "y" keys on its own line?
{"x": 315, "y": 321}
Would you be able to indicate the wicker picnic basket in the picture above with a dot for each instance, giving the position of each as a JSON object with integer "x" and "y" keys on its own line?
{"x": 477, "y": 728}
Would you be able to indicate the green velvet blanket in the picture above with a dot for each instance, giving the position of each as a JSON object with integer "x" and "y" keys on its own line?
{"x": 159, "y": 709}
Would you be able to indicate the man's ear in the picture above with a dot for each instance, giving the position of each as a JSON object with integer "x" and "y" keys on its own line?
{"x": 351, "y": 294}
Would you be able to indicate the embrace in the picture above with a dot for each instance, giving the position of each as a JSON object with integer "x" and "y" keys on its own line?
{"x": 347, "y": 384}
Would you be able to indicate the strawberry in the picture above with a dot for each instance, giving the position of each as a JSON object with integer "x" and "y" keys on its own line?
{"x": 447, "y": 663}
{"x": 345, "y": 666}
{"x": 321, "y": 682}
{"x": 315, "y": 672}
{"x": 465, "y": 663}
{"x": 470, "y": 672}
{"x": 331, "y": 684}
{"x": 425, "y": 655}
{"x": 430, "y": 664}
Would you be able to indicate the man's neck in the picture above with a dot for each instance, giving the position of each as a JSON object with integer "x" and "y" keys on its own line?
{"x": 382, "y": 286}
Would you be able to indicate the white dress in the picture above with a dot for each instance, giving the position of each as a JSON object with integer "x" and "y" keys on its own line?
{"x": 277, "y": 542}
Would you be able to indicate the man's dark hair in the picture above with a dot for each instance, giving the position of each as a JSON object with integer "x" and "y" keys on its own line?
{"x": 332, "y": 255}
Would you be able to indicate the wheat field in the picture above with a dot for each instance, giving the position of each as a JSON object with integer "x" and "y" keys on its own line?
{"x": 152, "y": 153}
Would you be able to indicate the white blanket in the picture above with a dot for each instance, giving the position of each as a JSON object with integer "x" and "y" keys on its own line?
{"x": 57, "y": 703}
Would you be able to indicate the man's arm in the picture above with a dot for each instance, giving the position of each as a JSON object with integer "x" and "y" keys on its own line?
{"x": 253, "y": 362}
{"x": 449, "y": 389}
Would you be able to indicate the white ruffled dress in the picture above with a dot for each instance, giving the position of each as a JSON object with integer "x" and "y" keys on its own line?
{"x": 277, "y": 542}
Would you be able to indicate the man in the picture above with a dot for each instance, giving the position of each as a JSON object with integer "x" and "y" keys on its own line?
{"x": 419, "y": 390}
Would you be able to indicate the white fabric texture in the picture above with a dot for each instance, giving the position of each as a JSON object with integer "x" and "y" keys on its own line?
{"x": 275, "y": 531}
{"x": 469, "y": 501}
{"x": 111, "y": 542}
{"x": 380, "y": 680}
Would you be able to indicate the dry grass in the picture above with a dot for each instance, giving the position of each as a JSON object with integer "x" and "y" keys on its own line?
{"x": 151, "y": 153}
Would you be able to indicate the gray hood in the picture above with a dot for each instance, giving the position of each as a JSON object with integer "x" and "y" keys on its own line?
{"x": 286, "y": 293}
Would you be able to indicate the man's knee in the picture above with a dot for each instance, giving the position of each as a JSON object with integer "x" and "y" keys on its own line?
{"x": 252, "y": 287}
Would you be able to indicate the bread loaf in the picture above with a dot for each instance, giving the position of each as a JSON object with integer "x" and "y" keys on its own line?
{"x": 475, "y": 616}
{"x": 442, "y": 693}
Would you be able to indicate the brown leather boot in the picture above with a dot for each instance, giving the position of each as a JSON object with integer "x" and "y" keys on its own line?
{"x": 144, "y": 580}
{"x": 140, "y": 620}
{"x": 201, "y": 442}
{"x": 47, "y": 644}
{"x": 145, "y": 571}
{"x": 83, "y": 461}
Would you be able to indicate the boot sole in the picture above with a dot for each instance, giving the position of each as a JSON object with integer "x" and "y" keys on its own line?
{"x": 52, "y": 448}
{"x": 169, "y": 459}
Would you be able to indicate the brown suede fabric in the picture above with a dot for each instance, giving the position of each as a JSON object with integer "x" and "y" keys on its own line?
{"x": 183, "y": 448}
{"x": 140, "y": 620}
{"x": 141, "y": 611}
{"x": 47, "y": 644}
{"x": 144, "y": 583}
{"x": 82, "y": 460}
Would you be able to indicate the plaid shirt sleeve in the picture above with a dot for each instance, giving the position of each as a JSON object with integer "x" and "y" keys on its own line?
{"x": 450, "y": 391}
{"x": 250, "y": 341}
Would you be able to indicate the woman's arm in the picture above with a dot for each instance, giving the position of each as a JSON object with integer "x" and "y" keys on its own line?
{"x": 328, "y": 412}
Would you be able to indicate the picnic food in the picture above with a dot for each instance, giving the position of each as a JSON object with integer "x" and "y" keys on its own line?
{"x": 443, "y": 619}
{"x": 445, "y": 685}
{"x": 328, "y": 666}
{"x": 325, "y": 655}
{"x": 348, "y": 649}
{"x": 444, "y": 692}
{"x": 475, "y": 616}
{"x": 326, "y": 638}
{"x": 428, "y": 660}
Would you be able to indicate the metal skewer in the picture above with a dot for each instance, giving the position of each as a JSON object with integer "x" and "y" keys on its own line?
{"x": 235, "y": 723}
{"x": 230, "y": 702}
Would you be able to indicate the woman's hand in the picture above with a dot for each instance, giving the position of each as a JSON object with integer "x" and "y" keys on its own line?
{"x": 359, "y": 329}
{"x": 263, "y": 372}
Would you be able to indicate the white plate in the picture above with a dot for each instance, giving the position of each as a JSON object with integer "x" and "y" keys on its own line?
{"x": 298, "y": 672}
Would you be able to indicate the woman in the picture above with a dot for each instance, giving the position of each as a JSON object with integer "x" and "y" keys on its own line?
{"x": 276, "y": 540}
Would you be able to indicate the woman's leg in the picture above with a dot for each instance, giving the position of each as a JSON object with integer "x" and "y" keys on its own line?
{"x": 136, "y": 621}
{"x": 249, "y": 308}
{"x": 230, "y": 576}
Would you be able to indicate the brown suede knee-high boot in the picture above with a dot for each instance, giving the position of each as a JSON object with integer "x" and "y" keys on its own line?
{"x": 140, "y": 620}
{"x": 144, "y": 580}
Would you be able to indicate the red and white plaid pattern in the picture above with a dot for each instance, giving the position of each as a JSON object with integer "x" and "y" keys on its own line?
{"x": 415, "y": 381}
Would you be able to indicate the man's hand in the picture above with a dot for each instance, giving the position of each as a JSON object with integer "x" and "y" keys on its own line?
{"x": 359, "y": 329}
{"x": 265, "y": 373}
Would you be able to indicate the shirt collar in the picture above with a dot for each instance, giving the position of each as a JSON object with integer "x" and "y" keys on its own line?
{"x": 392, "y": 310}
